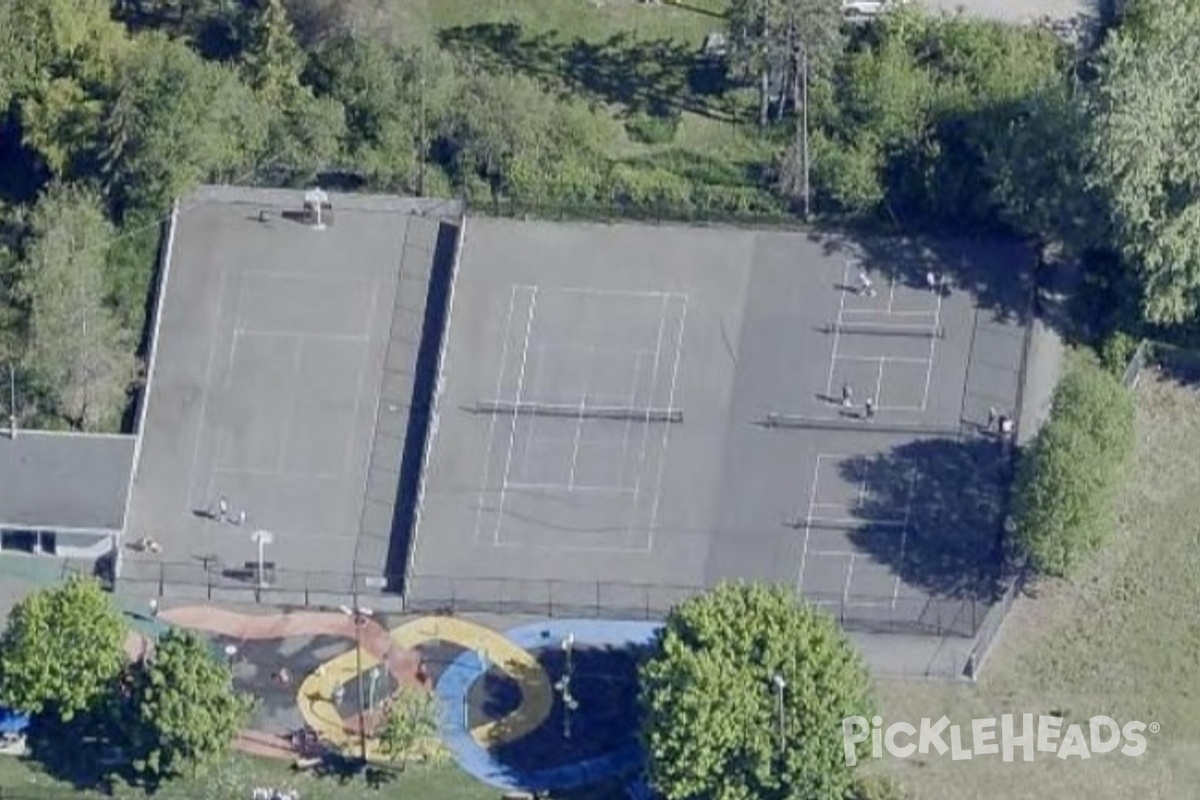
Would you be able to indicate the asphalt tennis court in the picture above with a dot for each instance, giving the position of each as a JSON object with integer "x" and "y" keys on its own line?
{"x": 628, "y": 413}
{"x": 282, "y": 377}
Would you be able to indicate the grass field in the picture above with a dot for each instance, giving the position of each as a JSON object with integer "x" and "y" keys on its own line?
{"x": 622, "y": 56}
{"x": 237, "y": 777}
{"x": 1122, "y": 640}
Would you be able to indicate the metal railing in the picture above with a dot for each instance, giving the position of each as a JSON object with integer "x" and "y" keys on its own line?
{"x": 937, "y": 616}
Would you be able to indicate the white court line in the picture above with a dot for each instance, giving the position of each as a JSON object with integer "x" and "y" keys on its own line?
{"x": 333, "y": 337}
{"x": 812, "y": 496}
{"x": 841, "y": 553}
{"x": 891, "y": 292}
{"x": 849, "y": 577}
{"x": 531, "y": 428}
{"x": 885, "y": 359}
{"x": 662, "y": 456}
{"x": 360, "y": 392}
{"x": 879, "y": 383}
{"x": 937, "y": 321}
{"x": 205, "y": 392}
{"x": 912, "y": 481}
{"x": 275, "y": 473}
{"x": 575, "y": 348}
{"x": 637, "y": 483}
{"x": 617, "y": 292}
{"x": 862, "y": 522}
{"x": 862, "y": 487}
{"x": 837, "y": 330}
{"x": 587, "y": 384}
{"x": 876, "y": 312}
{"x": 513, "y": 430}
{"x": 294, "y": 401}
{"x": 487, "y": 457}
{"x": 562, "y": 487}
{"x": 637, "y": 371}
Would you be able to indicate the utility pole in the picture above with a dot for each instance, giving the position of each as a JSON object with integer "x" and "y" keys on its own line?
{"x": 12, "y": 401}
{"x": 360, "y": 616}
{"x": 804, "y": 127}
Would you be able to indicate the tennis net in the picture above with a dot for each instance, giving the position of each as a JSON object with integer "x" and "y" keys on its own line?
{"x": 887, "y": 329}
{"x": 857, "y": 424}
{"x": 577, "y": 411}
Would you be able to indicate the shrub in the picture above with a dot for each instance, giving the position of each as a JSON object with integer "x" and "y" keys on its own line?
{"x": 1068, "y": 478}
{"x": 647, "y": 128}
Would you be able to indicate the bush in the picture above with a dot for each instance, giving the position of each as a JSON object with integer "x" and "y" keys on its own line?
{"x": 648, "y": 128}
{"x": 744, "y": 697}
{"x": 1116, "y": 350}
{"x": 1067, "y": 480}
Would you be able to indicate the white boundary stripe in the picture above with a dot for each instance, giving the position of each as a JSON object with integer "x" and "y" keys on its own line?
{"x": 156, "y": 330}
{"x": 363, "y": 375}
{"x": 884, "y": 359}
{"x": 812, "y": 496}
{"x": 837, "y": 330}
{"x": 491, "y": 437}
{"x": 513, "y": 428}
{"x": 849, "y": 578}
{"x": 618, "y": 292}
{"x": 532, "y": 426}
{"x": 853, "y": 522}
{"x": 662, "y": 456}
{"x": 290, "y": 414}
{"x": 25, "y": 434}
{"x": 275, "y": 473}
{"x": 932, "y": 350}
{"x": 912, "y": 482}
{"x": 884, "y": 313}
{"x": 633, "y": 388}
{"x": 562, "y": 487}
{"x": 641, "y": 461}
{"x": 587, "y": 384}
{"x": 204, "y": 395}
{"x": 332, "y": 337}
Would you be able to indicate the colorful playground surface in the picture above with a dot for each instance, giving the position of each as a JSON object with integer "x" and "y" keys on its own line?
{"x": 548, "y": 705}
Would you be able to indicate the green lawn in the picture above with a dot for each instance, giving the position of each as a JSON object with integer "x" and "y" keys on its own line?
{"x": 619, "y": 55}
{"x": 239, "y": 775}
{"x": 1121, "y": 640}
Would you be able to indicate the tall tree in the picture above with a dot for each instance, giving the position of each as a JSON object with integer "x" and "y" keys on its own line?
{"x": 63, "y": 55}
{"x": 78, "y": 354}
{"x": 745, "y": 696}
{"x": 185, "y": 713}
{"x": 304, "y": 131}
{"x": 61, "y": 650}
{"x": 410, "y": 723}
{"x": 1145, "y": 154}
{"x": 174, "y": 121}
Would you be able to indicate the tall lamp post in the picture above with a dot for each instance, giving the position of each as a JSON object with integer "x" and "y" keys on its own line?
{"x": 360, "y": 616}
{"x": 780, "y": 684}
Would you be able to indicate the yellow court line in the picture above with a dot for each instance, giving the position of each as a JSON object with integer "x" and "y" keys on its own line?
{"x": 315, "y": 696}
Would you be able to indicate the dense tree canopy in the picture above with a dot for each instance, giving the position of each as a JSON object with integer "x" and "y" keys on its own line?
{"x": 1145, "y": 151}
{"x": 185, "y": 713}
{"x": 1068, "y": 479}
{"x": 61, "y": 651}
{"x": 712, "y": 712}
{"x": 79, "y": 359}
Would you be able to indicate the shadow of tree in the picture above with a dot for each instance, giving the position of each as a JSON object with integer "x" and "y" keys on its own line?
{"x": 604, "y": 684}
{"x": 952, "y": 495}
{"x": 655, "y": 75}
{"x": 998, "y": 272}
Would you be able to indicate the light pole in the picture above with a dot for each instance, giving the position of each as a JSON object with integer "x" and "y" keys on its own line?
{"x": 262, "y": 539}
{"x": 564, "y": 684}
{"x": 231, "y": 652}
{"x": 360, "y": 616}
{"x": 780, "y": 684}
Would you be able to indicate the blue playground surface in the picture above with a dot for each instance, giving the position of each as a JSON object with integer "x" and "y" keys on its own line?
{"x": 496, "y": 766}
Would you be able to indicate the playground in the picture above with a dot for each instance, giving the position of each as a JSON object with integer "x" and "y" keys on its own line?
{"x": 544, "y": 706}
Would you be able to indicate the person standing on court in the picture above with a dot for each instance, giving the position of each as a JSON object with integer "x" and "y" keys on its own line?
{"x": 864, "y": 284}
{"x": 847, "y": 396}
{"x": 222, "y": 509}
{"x": 869, "y": 408}
{"x": 931, "y": 279}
